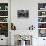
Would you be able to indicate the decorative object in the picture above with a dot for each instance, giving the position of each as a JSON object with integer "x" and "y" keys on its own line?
{"x": 3, "y": 13}
{"x": 43, "y": 13}
{"x": 23, "y": 13}
{"x": 41, "y": 19}
{"x": 6, "y": 7}
{"x": 3, "y": 19}
{"x": 27, "y": 38}
{"x": 31, "y": 27}
{"x": 13, "y": 27}
{"x": 0, "y": 7}
{"x": 23, "y": 40}
{"x": 42, "y": 25}
{"x": 3, "y": 6}
{"x": 42, "y": 32}
{"x": 41, "y": 6}
{"x": 4, "y": 29}
{"x": 22, "y": 43}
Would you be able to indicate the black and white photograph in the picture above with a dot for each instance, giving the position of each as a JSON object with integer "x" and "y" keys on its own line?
{"x": 23, "y": 13}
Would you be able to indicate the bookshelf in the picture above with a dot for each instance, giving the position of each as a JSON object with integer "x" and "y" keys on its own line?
{"x": 4, "y": 19}
{"x": 42, "y": 19}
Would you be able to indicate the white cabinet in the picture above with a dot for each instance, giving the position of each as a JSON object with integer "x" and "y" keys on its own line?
{"x": 42, "y": 19}
{"x": 41, "y": 41}
{"x": 3, "y": 40}
{"x": 4, "y": 21}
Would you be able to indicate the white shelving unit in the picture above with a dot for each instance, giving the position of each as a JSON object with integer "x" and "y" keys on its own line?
{"x": 4, "y": 17}
{"x": 4, "y": 23}
{"x": 42, "y": 18}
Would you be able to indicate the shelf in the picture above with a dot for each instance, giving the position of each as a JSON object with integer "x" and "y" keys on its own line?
{"x": 3, "y": 16}
{"x": 3, "y": 10}
{"x": 3, "y": 22}
{"x": 41, "y": 10}
{"x": 42, "y": 16}
{"x": 41, "y": 22}
{"x": 41, "y": 28}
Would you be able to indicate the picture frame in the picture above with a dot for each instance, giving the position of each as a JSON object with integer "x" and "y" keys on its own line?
{"x": 22, "y": 13}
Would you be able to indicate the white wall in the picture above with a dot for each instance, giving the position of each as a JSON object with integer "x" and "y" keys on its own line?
{"x": 23, "y": 24}
{"x": 32, "y": 6}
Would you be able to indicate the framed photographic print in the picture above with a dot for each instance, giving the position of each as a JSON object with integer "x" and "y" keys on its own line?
{"x": 23, "y": 13}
